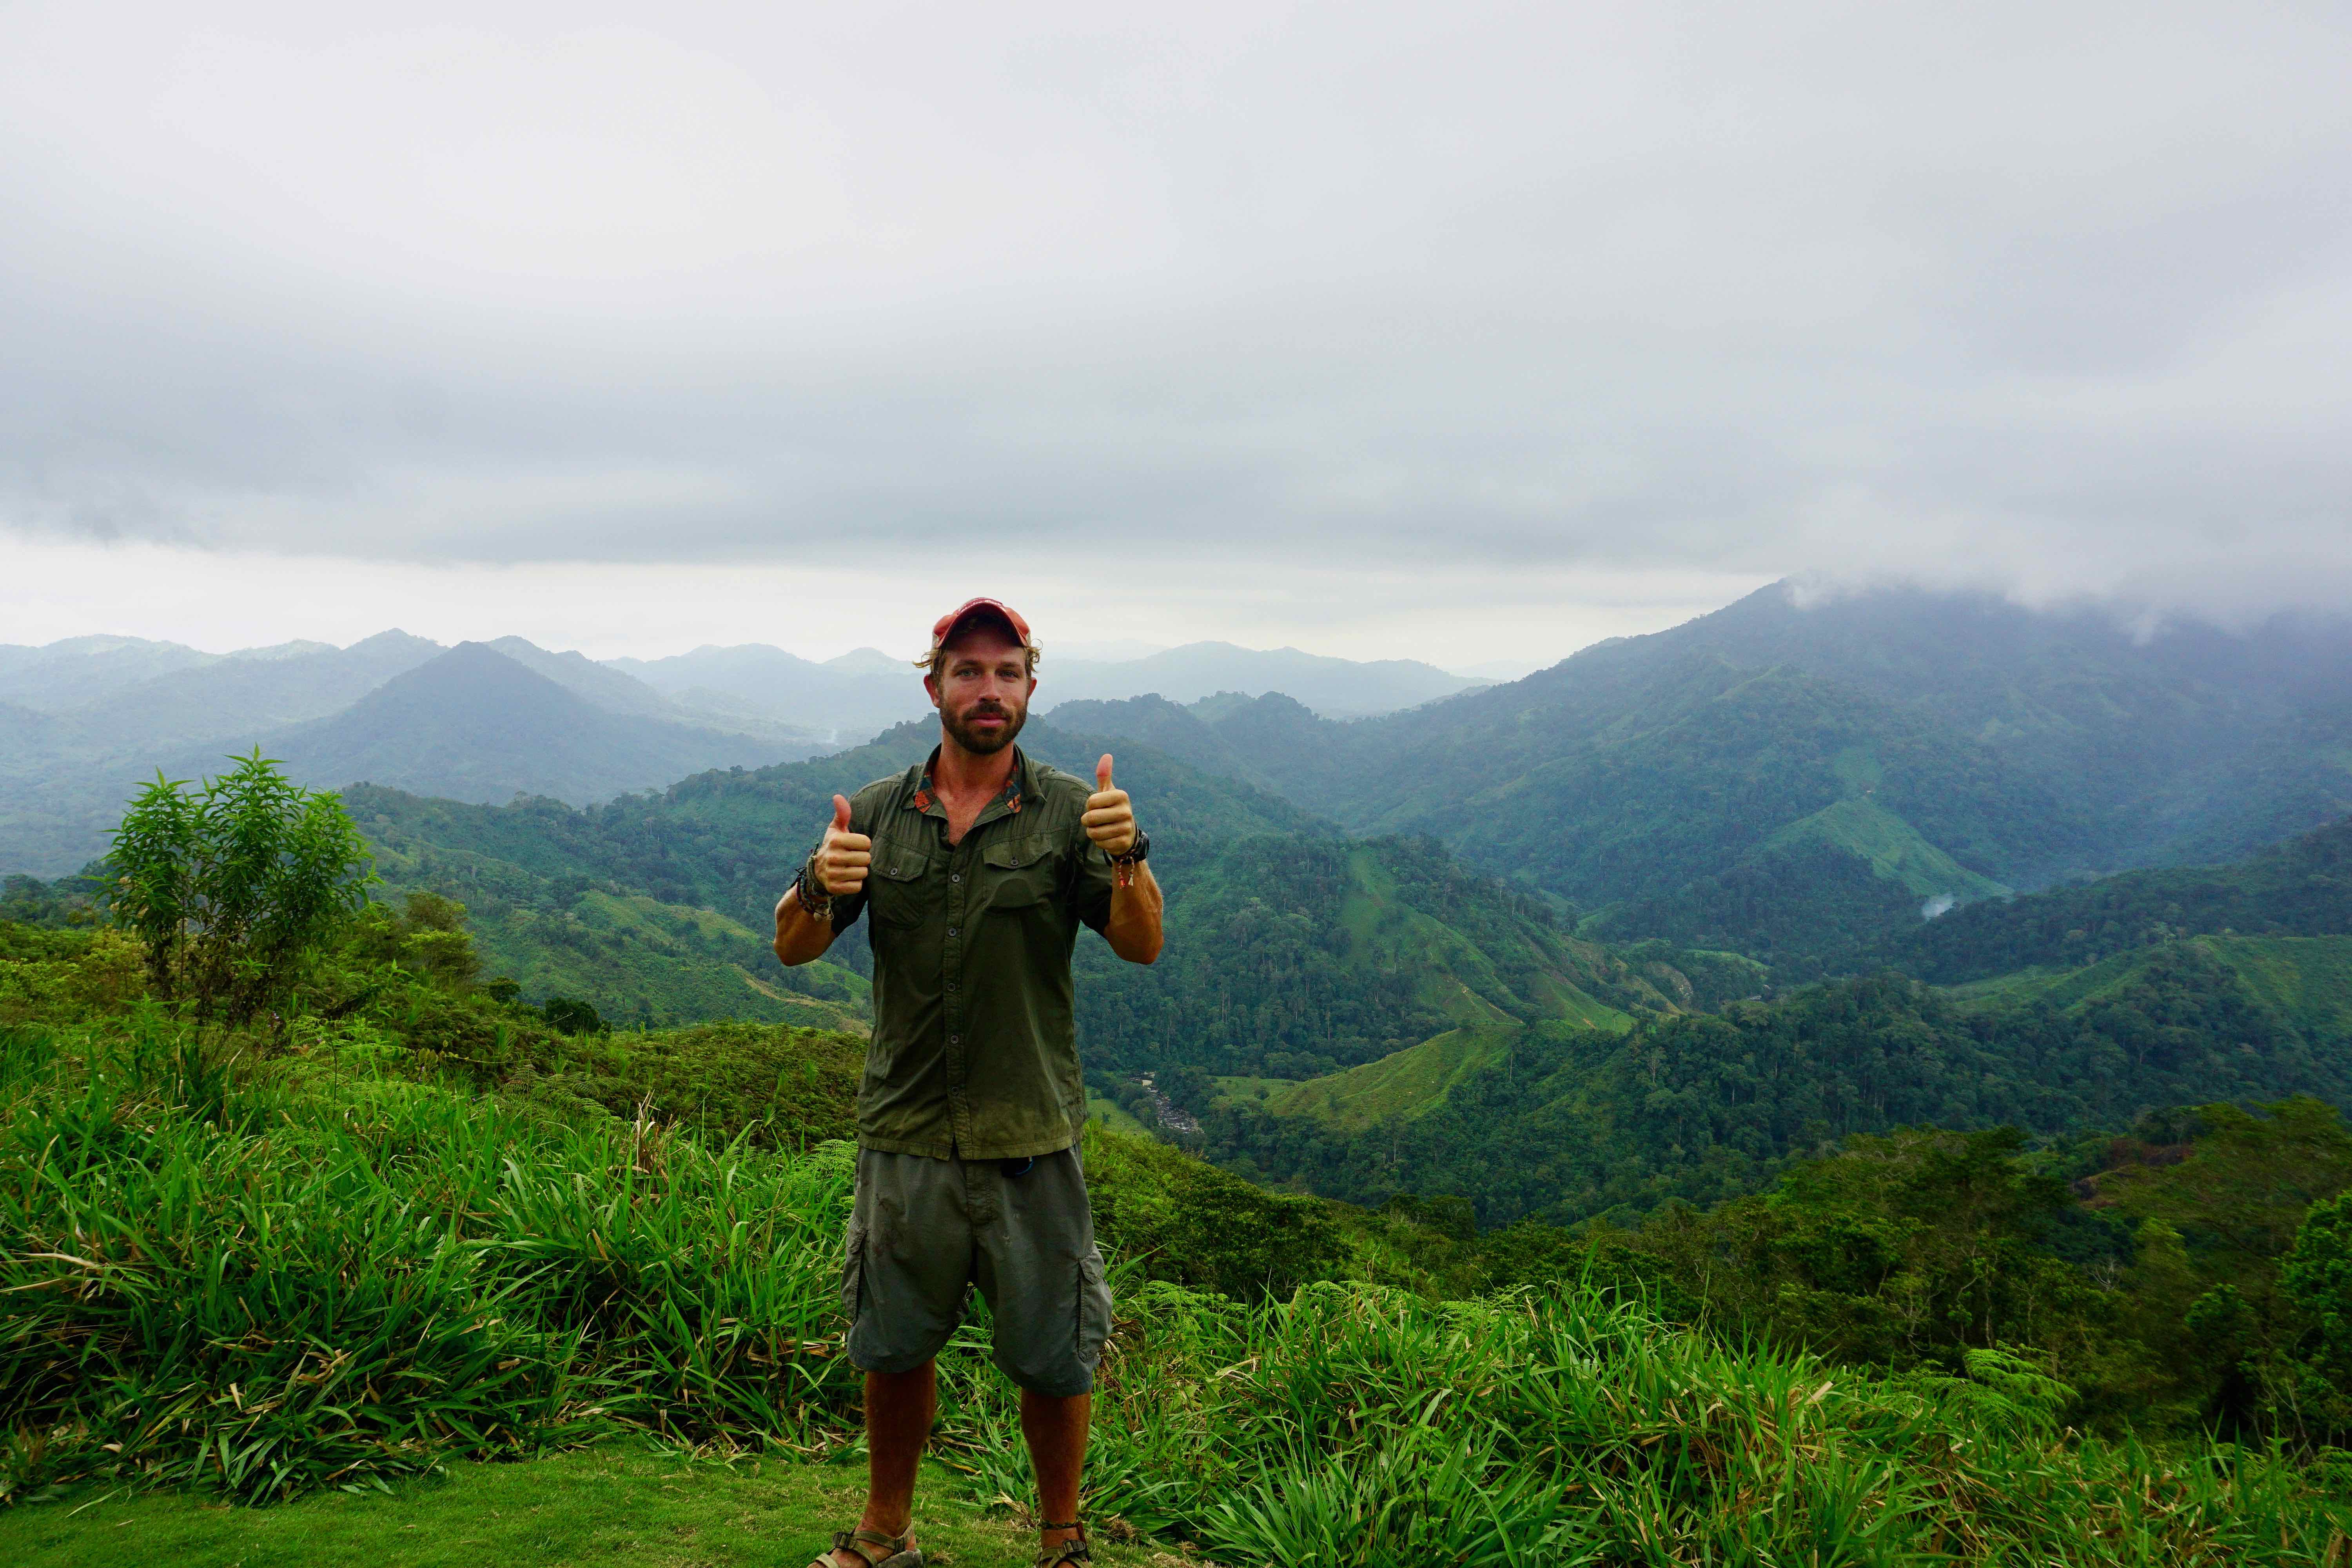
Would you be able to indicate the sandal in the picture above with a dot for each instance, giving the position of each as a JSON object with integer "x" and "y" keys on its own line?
{"x": 863, "y": 1543}
{"x": 1074, "y": 1550}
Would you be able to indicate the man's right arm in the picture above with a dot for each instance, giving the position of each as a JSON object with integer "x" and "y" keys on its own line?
{"x": 840, "y": 867}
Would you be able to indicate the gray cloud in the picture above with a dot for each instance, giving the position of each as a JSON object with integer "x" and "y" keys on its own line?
{"x": 2056, "y": 300}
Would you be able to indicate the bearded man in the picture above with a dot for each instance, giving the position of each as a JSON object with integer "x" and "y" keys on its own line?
{"x": 978, "y": 867}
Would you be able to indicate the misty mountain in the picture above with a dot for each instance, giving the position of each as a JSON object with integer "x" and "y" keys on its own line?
{"x": 472, "y": 724}
{"x": 1333, "y": 688}
{"x": 1795, "y": 780}
{"x": 66, "y": 767}
{"x": 74, "y": 670}
{"x": 865, "y": 692}
{"x": 245, "y": 697}
{"x": 614, "y": 690}
{"x": 852, "y": 698}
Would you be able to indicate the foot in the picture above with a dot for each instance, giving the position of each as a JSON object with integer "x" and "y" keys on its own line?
{"x": 866, "y": 1547}
{"x": 1051, "y": 1542}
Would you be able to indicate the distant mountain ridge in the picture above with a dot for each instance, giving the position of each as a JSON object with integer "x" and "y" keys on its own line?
{"x": 1795, "y": 778}
{"x": 84, "y": 721}
{"x": 474, "y": 724}
{"x": 866, "y": 690}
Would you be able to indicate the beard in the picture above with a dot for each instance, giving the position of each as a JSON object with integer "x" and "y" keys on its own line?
{"x": 980, "y": 743}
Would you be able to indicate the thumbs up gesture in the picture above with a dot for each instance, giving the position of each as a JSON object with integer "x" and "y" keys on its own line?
{"x": 1109, "y": 820}
{"x": 842, "y": 859}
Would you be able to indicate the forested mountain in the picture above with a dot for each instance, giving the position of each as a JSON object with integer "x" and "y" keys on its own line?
{"x": 1796, "y": 779}
{"x": 1566, "y": 1122}
{"x": 247, "y": 697}
{"x": 2083, "y": 1007}
{"x": 2300, "y": 888}
{"x": 1294, "y": 952}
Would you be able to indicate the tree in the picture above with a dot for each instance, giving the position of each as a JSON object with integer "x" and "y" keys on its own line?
{"x": 236, "y": 886}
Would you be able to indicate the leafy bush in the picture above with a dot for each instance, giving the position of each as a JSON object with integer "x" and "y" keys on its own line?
{"x": 236, "y": 886}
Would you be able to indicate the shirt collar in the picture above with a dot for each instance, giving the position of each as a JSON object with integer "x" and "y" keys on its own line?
{"x": 1019, "y": 785}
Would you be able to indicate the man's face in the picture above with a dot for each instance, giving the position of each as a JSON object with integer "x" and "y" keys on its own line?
{"x": 982, "y": 690}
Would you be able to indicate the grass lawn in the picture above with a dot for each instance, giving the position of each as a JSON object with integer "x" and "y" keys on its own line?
{"x": 619, "y": 1505}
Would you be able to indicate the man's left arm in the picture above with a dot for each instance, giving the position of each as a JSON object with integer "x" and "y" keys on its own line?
{"x": 1133, "y": 929}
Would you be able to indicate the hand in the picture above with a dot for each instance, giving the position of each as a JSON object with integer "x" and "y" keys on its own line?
{"x": 1109, "y": 820}
{"x": 842, "y": 859}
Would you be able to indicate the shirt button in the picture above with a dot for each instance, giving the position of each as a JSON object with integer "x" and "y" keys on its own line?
{"x": 956, "y": 877}
{"x": 955, "y": 1039}
{"x": 951, "y": 931}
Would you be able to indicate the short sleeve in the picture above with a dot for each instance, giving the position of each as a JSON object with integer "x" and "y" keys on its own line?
{"x": 1091, "y": 882}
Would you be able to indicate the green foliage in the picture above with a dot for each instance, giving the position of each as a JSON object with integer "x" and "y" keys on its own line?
{"x": 2300, "y": 888}
{"x": 327, "y": 1271}
{"x": 2318, "y": 1275}
{"x": 263, "y": 1291}
{"x": 1303, "y": 951}
{"x": 1567, "y": 1124}
{"x": 65, "y": 902}
{"x": 233, "y": 888}
{"x": 59, "y": 976}
{"x": 1191, "y": 1223}
{"x": 1912, "y": 1250}
{"x": 572, "y": 1017}
{"x": 1355, "y": 1424}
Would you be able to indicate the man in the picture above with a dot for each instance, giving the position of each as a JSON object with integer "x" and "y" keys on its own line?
{"x": 978, "y": 869}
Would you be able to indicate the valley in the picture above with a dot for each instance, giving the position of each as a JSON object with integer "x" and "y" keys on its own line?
{"x": 1890, "y": 1010}
{"x": 1519, "y": 917}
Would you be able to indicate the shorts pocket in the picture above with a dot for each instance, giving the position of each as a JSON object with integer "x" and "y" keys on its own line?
{"x": 1094, "y": 1308}
{"x": 853, "y": 1271}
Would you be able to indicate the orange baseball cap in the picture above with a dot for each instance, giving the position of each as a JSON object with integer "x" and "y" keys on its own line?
{"x": 944, "y": 627}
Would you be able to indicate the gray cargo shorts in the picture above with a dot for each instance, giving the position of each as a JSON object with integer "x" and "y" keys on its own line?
{"x": 922, "y": 1232}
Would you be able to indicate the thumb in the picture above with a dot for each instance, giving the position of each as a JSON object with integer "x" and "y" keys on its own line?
{"x": 841, "y": 813}
{"x": 1102, "y": 773}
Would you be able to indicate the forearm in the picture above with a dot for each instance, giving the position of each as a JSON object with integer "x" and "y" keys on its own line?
{"x": 1134, "y": 930}
{"x": 801, "y": 937}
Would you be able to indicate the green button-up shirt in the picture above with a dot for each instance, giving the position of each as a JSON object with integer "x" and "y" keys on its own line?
{"x": 974, "y": 1053}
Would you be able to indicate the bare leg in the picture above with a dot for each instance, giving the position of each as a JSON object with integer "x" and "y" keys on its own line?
{"x": 900, "y": 1407}
{"x": 1056, "y": 1432}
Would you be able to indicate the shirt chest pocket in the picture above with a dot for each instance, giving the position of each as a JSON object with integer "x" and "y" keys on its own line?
{"x": 895, "y": 883}
{"x": 1017, "y": 874}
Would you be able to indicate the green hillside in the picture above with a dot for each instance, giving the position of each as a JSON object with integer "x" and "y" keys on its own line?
{"x": 1568, "y": 1123}
{"x": 1794, "y": 779}
{"x": 1292, "y": 951}
{"x": 637, "y": 961}
{"x": 2300, "y": 888}
{"x": 731, "y": 840}
{"x": 1767, "y": 811}
{"x": 1293, "y": 956}
{"x": 2305, "y": 982}
{"x": 1892, "y": 847}
{"x": 399, "y": 1221}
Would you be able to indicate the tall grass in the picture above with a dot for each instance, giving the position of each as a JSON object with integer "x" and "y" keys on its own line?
{"x": 1356, "y": 1426}
{"x": 265, "y": 1289}
{"x": 261, "y": 1286}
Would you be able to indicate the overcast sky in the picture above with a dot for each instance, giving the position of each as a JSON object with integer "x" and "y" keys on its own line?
{"x": 1474, "y": 331}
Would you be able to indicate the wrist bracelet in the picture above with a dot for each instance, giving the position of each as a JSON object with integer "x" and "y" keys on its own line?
{"x": 814, "y": 904}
